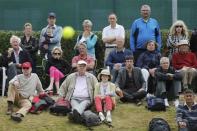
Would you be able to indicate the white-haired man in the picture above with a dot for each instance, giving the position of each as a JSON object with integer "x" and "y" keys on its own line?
{"x": 78, "y": 88}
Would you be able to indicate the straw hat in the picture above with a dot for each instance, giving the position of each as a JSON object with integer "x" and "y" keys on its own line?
{"x": 104, "y": 72}
{"x": 183, "y": 42}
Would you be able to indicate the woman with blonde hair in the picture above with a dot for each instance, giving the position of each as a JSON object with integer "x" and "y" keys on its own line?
{"x": 178, "y": 31}
{"x": 57, "y": 68}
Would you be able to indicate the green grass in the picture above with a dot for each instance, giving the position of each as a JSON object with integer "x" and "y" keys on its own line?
{"x": 126, "y": 117}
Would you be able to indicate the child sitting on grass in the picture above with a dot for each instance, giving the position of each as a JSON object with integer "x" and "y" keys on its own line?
{"x": 104, "y": 94}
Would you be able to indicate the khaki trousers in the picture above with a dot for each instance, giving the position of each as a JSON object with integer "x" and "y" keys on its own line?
{"x": 17, "y": 98}
{"x": 188, "y": 75}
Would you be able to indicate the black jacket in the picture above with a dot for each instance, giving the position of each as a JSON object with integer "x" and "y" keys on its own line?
{"x": 161, "y": 75}
{"x": 60, "y": 64}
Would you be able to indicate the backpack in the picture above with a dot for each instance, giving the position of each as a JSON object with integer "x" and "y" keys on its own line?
{"x": 47, "y": 99}
{"x": 158, "y": 124}
{"x": 38, "y": 105}
{"x": 156, "y": 104}
{"x": 90, "y": 118}
{"x": 61, "y": 107}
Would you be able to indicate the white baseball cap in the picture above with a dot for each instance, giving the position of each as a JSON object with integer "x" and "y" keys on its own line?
{"x": 80, "y": 62}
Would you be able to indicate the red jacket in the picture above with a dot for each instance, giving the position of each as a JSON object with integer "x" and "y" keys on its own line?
{"x": 187, "y": 59}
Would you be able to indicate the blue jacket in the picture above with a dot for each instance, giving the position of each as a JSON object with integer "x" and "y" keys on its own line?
{"x": 55, "y": 41}
{"x": 147, "y": 31}
{"x": 149, "y": 59}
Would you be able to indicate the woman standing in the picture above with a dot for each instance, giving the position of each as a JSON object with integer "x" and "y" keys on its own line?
{"x": 87, "y": 37}
{"x": 178, "y": 31}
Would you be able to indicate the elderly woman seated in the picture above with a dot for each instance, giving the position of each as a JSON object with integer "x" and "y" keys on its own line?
{"x": 168, "y": 81}
{"x": 185, "y": 62}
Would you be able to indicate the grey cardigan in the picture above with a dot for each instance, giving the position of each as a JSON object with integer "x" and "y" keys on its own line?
{"x": 68, "y": 86}
{"x": 137, "y": 75}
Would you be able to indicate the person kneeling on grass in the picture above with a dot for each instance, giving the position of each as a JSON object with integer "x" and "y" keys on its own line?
{"x": 131, "y": 82}
{"x": 186, "y": 115}
{"x": 21, "y": 90}
{"x": 104, "y": 93}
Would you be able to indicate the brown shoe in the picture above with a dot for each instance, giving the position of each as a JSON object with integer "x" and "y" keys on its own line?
{"x": 10, "y": 108}
{"x": 16, "y": 117}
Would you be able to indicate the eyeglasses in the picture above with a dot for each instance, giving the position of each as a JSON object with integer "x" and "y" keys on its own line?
{"x": 25, "y": 68}
{"x": 57, "y": 53}
{"x": 179, "y": 26}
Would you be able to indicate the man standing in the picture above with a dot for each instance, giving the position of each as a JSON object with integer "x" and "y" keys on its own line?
{"x": 143, "y": 30}
{"x": 116, "y": 58}
{"x": 21, "y": 90}
{"x": 30, "y": 44}
{"x": 131, "y": 82}
{"x": 186, "y": 115}
{"x": 111, "y": 34}
{"x": 78, "y": 88}
{"x": 50, "y": 36}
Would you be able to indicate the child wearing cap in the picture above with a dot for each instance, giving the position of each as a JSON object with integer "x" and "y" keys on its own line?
{"x": 105, "y": 92}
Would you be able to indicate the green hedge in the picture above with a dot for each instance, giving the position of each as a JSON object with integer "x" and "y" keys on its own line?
{"x": 67, "y": 45}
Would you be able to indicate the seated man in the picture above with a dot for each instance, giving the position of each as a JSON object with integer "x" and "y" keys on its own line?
{"x": 168, "y": 81}
{"x": 185, "y": 62}
{"x": 116, "y": 58}
{"x": 78, "y": 88}
{"x": 21, "y": 90}
{"x": 83, "y": 56}
{"x": 186, "y": 115}
{"x": 131, "y": 82}
{"x": 14, "y": 57}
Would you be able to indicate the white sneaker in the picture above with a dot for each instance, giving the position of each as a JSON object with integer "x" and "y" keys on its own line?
{"x": 108, "y": 118}
{"x": 102, "y": 117}
{"x": 149, "y": 95}
{"x": 166, "y": 102}
{"x": 176, "y": 103}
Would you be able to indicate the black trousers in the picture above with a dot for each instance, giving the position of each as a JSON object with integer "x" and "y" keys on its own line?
{"x": 130, "y": 96}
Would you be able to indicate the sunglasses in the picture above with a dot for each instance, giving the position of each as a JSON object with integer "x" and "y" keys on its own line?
{"x": 57, "y": 53}
{"x": 179, "y": 26}
{"x": 25, "y": 68}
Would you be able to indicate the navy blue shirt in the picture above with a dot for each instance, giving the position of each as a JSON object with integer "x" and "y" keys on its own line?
{"x": 183, "y": 114}
{"x": 149, "y": 60}
{"x": 117, "y": 57}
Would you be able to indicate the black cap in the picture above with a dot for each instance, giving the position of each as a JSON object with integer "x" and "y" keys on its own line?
{"x": 52, "y": 14}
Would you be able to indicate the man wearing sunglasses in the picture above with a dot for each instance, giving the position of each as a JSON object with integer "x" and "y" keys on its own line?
{"x": 21, "y": 90}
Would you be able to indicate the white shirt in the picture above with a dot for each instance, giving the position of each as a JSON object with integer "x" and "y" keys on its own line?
{"x": 81, "y": 88}
{"x": 118, "y": 31}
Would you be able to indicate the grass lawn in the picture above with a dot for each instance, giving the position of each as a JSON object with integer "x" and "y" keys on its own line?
{"x": 126, "y": 117}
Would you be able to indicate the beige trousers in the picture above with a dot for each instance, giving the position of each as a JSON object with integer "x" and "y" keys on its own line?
{"x": 188, "y": 75}
{"x": 17, "y": 98}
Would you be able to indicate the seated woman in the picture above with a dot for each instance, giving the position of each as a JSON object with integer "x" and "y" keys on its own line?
{"x": 57, "y": 68}
{"x": 88, "y": 37}
{"x": 148, "y": 62}
{"x": 104, "y": 93}
{"x": 168, "y": 81}
{"x": 178, "y": 31}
